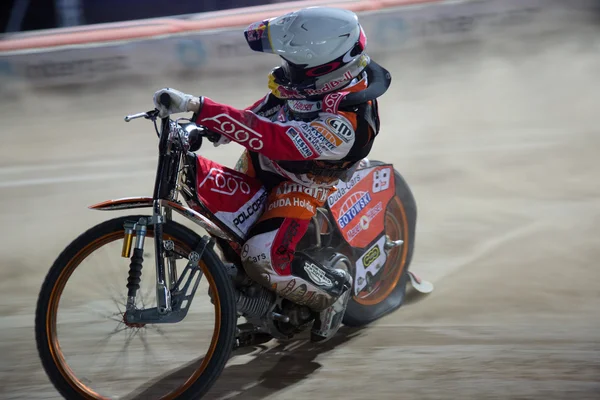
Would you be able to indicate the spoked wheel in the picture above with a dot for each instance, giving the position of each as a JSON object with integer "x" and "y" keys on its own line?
{"x": 385, "y": 291}
{"x": 88, "y": 349}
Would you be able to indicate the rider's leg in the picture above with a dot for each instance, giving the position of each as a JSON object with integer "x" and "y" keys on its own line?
{"x": 269, "y": 258}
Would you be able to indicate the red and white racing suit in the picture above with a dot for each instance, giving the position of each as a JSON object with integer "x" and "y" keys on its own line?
{"x": 298, "y": 162}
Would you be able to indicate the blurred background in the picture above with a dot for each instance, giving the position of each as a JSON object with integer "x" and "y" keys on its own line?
{"x": 492, "y": 118}
{"x": 28, "y": 15}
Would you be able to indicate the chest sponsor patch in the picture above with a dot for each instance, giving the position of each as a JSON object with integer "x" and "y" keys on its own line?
{"x": 299, "y": 142}
{"x": 324, "y": 131}
{"x": 341, "y": 128}
{"x": 318, "y": 141}
{"x": 319, "y": 193}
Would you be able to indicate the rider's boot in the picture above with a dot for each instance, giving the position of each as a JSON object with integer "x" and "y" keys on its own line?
{"x": 329, "y": 321}
{"x": 335, "y": 281}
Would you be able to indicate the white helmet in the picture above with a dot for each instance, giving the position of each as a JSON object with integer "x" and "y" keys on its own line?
{"x": 322, "y": 50}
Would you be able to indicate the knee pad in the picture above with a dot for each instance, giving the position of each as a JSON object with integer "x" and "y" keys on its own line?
{"x": 256, "y": 257}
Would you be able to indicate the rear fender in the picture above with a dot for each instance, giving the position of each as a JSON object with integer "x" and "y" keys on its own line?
{"x": 126, "y": 203}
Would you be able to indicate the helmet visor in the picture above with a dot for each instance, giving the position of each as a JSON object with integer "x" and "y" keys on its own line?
{"x": 257, "y": 36}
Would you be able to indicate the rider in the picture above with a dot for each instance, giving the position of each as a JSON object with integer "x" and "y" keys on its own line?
{"x": 300, "y": 140}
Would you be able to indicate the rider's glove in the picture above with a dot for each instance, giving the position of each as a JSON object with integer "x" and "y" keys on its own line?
{"x": 180, "y": 102}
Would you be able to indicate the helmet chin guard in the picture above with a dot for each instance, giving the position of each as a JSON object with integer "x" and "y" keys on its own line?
{"x": 313, "y": 89}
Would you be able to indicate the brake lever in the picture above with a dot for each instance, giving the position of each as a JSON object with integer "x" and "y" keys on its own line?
{"x": 152, "y": 114}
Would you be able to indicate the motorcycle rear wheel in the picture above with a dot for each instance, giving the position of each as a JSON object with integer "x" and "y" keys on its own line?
{"x": 190, "y": 381}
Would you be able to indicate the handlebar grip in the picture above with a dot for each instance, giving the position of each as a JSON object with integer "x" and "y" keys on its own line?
{"x": 195, "y": 139}
{"x": 165, "y": 99}
{"x": 212, "y": 136}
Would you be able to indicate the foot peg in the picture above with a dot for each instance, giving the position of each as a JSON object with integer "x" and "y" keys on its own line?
{"x": 390, "y": 244}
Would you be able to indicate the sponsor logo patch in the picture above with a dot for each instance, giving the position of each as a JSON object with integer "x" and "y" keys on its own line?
{"x": 371, "y": 255}
{"x": 365, "y": 220}
{"x": 316, "y": 139}
{"x": 342, "y": 129}
{"x": 237, "y": 131}
{"x": 258, "y": 258}
{"x": 293, "y": 202}
{"x": 250, "y": 210}
{"x": 225, "y": 183}
{"x": 270, "y": 112}
{"x": 281, "y": 117}
{"x": 317, "y": 275}
{"x": 318, "y": 193}
{"x": 299, "y": 142}
{"x": 326, "y": 133}
{"x": 331, "y": 85}
{"x": 304, "y": 106}
{"x": 343, "y": 188}
{"x": 245, "y": 251}
{"x": 332, "y": 101}
{"x": 297, "y": 295}
{"x": 284, "y": 92}
{"x": 283, "y": 251}
{"x": 353, "y": 206}
{"x": 256, "y": 31}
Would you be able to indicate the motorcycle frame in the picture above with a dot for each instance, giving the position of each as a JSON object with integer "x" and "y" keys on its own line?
{"x": 164, "y": 201}
{"x": 174, "y": 175}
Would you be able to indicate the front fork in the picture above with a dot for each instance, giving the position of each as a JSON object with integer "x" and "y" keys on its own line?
{"x": 135, "y": 267}
{"x": 173, "y": 297}
{"x": 163, "y": 293}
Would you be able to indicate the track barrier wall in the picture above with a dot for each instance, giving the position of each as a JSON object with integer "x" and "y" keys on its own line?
{"x": 213, "y": 43}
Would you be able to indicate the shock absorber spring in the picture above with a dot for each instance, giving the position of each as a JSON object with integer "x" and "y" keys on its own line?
{"x": 135, "y": 267}
{"x": 135, "y": 272}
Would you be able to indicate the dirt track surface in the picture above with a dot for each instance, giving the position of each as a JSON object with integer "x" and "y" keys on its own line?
{"x": 499, "y": 143}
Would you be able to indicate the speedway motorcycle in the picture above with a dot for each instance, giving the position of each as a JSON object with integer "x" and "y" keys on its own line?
{"x": 367, "y": 226}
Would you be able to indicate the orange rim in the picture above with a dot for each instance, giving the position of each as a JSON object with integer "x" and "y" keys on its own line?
{"x": 390, "y": 274}
{"x": 53, "y": 343}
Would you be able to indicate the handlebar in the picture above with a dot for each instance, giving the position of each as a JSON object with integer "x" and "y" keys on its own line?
{"x": 164, "y": 99}
{"x": 191, "y": 137}
{"x": 148, "y": 115}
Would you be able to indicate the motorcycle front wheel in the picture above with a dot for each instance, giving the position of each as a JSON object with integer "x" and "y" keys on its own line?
{"x": 89, "y": 351}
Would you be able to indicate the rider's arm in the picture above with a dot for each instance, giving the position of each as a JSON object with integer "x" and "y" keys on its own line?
{"x": 329, "y": 137}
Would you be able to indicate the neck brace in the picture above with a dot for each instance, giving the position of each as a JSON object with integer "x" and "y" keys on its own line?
{"x": 308, "y": 109}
